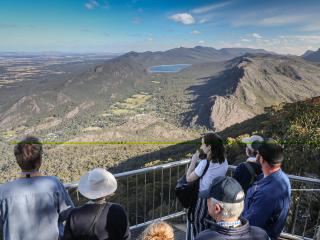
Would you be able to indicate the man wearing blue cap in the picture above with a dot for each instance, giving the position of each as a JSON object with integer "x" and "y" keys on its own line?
{"x": 225, "y": 200}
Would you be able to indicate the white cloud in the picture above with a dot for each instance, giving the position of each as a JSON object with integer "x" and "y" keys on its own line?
{"x": 7, "y": 25}
{"x": 203, "y": 20}
{"x": 271, "y": 19}
{"x": 209, "y": 8}
{"x": 308, "y": 39}
{"x": 92, "y": 4}
{"x": 281, "y": 20}
{"x": 150, "y": 39}
{"x": 202, "y": 42}
{"x": 195, "y": 32}
{"x": 312, "y": 27}
{"x": 289, "y": 44}
{"x": 184, "y": 18}
{"x": 136, "y": 20}
{"x": 256, "y": 35}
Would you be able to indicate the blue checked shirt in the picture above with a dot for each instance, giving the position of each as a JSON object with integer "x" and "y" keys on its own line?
{"x": 33, "y": 208}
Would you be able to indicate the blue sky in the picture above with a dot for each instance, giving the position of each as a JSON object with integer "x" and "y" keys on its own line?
{"x": 289, "y": 27}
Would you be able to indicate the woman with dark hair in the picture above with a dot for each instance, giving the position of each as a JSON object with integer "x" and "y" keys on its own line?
{"x": 210, "y": 166}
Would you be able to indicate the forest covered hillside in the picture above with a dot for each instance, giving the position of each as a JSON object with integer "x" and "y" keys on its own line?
{"x": 295, "y": 125}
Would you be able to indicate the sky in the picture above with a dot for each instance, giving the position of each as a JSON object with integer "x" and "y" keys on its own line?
{"x": 118, "y": 26}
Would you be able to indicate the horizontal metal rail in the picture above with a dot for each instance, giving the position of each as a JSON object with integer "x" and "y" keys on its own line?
{"x": 184, "y": 162}
{"x": 168, "y": 217}
{"x": 292, "y": 237}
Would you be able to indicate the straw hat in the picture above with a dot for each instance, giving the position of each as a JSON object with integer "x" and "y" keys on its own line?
{"x": 97, "y": 183}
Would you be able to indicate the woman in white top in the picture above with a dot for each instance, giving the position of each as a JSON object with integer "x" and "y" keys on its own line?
{"x": 212, "y": 146}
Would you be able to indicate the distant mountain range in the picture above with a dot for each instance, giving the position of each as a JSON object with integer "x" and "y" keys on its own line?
{"x": 241, "y": 90}
{"x": 194, "y": 55}
{"x": 313, "y": 56}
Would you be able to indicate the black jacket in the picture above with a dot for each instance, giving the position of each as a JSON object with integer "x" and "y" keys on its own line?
{"x": 244, "y": 232}
{"x": 112, "y": 223}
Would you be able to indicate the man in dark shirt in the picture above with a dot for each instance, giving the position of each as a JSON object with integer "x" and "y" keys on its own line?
{"x": 247, "y": 172}
{"x": 268, "y": 200}
{"x": 225, "y": 203}
{"x": 97, "y": 219}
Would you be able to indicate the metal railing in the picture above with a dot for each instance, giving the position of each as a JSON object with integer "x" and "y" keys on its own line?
{"x": 148, "y": 194}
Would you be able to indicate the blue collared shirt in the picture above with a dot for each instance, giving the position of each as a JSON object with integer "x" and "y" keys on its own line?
{"x": 229, "y": 224}
{"x": 33, "y": 208}
{"x": 267, "y": 203}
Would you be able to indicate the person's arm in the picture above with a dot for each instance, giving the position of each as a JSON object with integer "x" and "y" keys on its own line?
{"x": 118, "y": 223}
{"x": 65, "y": 204}
{"x": 260, "y": 208}
{"x": 1, "y": 219}
{"x": 191, "y": 176}
{"x": 67, "y": 235}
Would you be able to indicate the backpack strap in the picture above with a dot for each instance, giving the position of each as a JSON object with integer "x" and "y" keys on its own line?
{"x": 205, "y": 169}
{"x": 252, "y": 172}
{"x": 97, "y": 215}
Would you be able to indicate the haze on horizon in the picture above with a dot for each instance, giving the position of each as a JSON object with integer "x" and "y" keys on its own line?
{"x": 286, "y": 27}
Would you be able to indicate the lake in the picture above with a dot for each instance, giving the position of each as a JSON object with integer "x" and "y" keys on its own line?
{"x": 168, "y": 68}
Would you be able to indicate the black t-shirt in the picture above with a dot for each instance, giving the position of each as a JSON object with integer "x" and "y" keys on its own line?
{"x": 243, "y": 175}
{"x": 112, "y": 223}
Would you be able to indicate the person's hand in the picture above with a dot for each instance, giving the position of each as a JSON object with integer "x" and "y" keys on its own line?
{"x": 195, "y": 157}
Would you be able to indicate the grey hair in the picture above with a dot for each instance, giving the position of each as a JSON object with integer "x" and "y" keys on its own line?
{"x": 229, "y": 210}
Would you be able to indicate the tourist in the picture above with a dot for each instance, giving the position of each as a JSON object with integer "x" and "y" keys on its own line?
{"x": 225, "y": 200}
{"x": 213, "y": 166}
{"x": 32, "y": 206}
{"x": 268, "y": 200}
{"x": 97, "y": 219}
{"x": 247, "y": 172}
{"x": 159, "y": 230}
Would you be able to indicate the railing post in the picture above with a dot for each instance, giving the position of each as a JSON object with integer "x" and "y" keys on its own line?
{"x": 128, "y": 204}
{"x": 178, "y": 176}
{"x": 154, "y": 185}
{"x": 145, "y": 197}
{"x": 161, "y": 201}
{"x": 308, "y": 215}
{"x": 169, "y": 202}
{"x": 296, "y": 211}
{"x": 136, "y": 199}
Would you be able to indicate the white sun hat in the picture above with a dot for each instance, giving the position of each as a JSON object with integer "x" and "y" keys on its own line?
{"x": 97, "y": 183}
{"x": 250, "y": 140}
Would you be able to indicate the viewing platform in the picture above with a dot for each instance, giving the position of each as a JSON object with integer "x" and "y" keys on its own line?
{"x": 148, "y": 194}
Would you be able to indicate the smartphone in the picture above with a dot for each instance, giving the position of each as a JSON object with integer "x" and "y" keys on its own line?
{"x": 202, "y": 154}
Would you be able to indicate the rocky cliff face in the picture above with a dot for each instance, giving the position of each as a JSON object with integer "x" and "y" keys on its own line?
{"x": 264, "y": 81}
